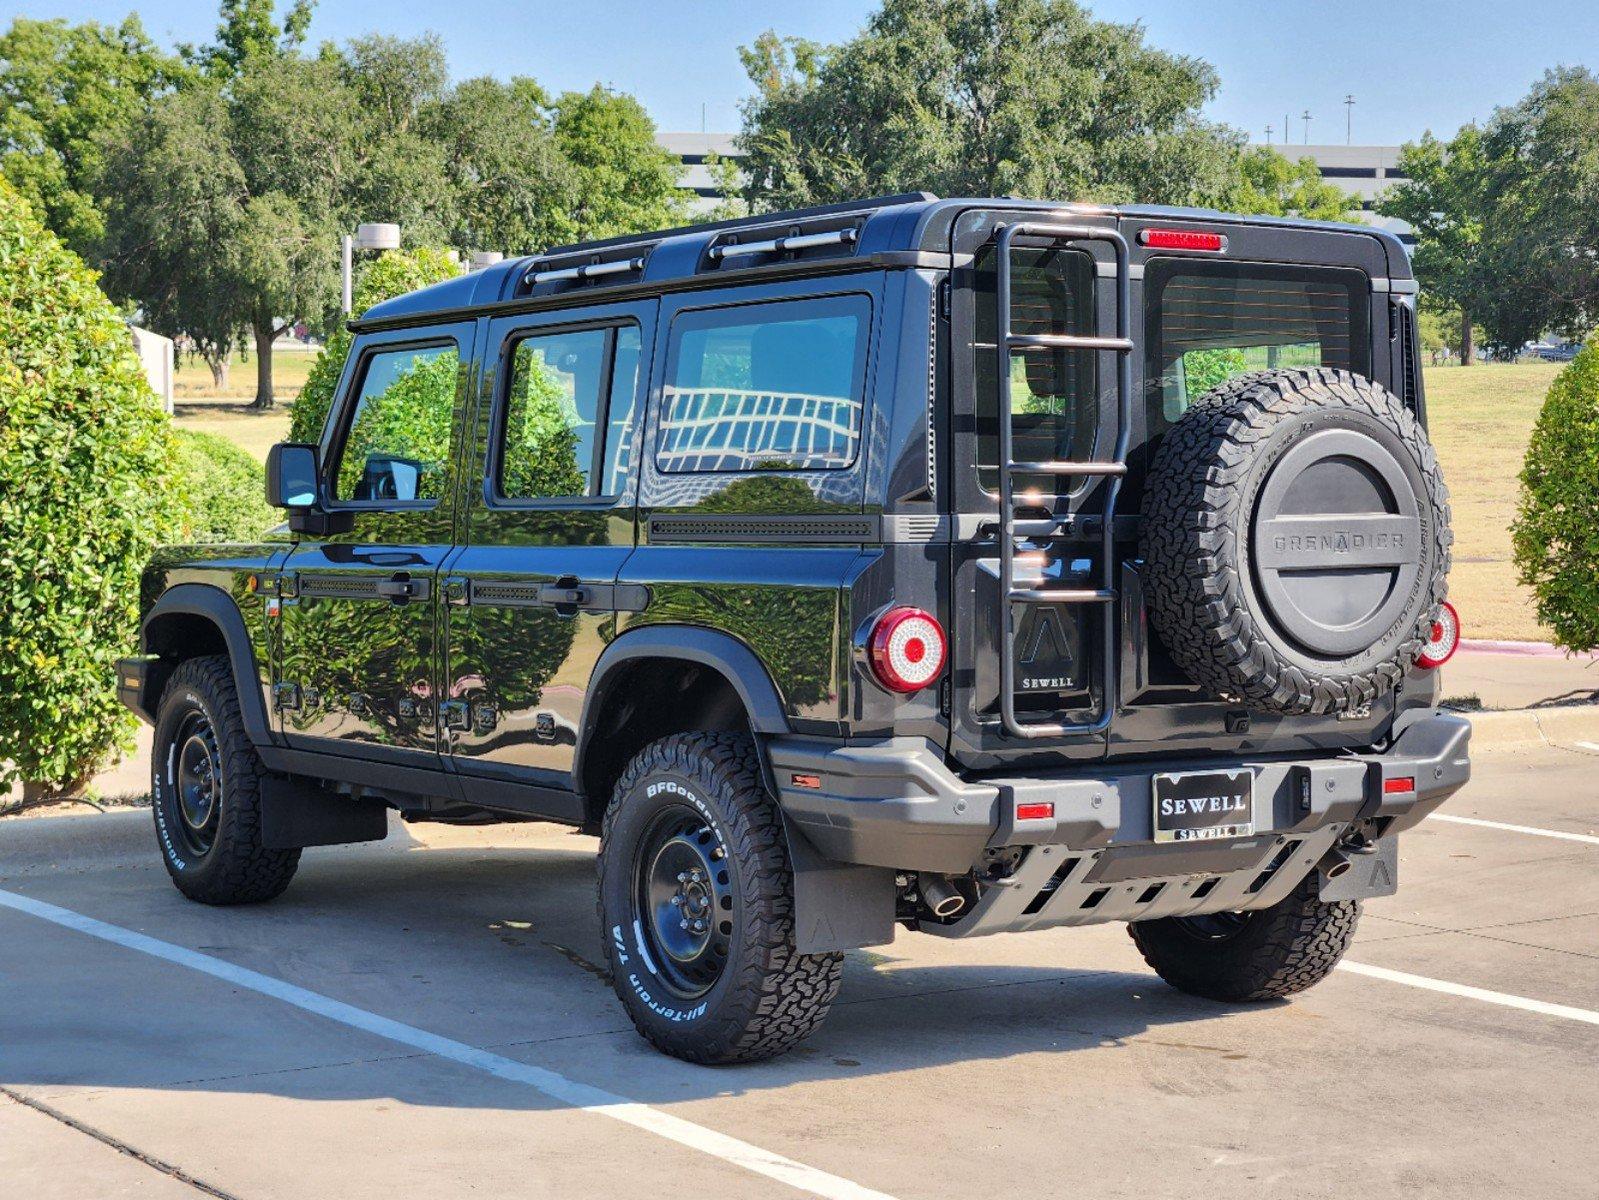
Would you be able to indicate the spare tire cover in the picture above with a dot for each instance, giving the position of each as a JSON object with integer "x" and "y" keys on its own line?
{"x": 1295, "y": 540}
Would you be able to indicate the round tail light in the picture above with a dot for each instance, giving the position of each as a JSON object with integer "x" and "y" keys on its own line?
{"x": 907, "y": 649}
{"x": 1443, "y": 639}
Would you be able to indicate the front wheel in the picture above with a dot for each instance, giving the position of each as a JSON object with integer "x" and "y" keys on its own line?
{"x": 696, "y": 901}
{"x": 1263, "y": 955}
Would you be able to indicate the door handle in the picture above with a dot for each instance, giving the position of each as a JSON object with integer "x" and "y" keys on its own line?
{"x": 400, "y": 587}
{"x": 566, "y": 595}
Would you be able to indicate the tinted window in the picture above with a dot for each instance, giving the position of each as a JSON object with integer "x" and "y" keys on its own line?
{"x": 568, "y": 413}
{"x": 765, "y": 387}
{"x": 396, "y": 444}
{"x": 1054, "y": 410}
{"x": 1211, "y": 321}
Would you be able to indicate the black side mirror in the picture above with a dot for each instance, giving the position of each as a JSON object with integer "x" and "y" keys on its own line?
{"x": 294, "y": 482}
{"x": 291, "y": 476}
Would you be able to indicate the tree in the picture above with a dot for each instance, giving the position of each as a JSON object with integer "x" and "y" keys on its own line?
{"x": 1445, "y": 199}
{"x": 64, "y": 89}
{"x": 85, "y": 457}
{"x": 392, "y": 274}
{"x": 982, "y": 97}
{"x": 1272, "y": 186}
{"x": 626, "y": 181}
{"x": 1556, "y": 532}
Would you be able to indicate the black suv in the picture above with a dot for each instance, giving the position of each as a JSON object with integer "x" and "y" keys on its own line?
{"x": 968, "y": 565}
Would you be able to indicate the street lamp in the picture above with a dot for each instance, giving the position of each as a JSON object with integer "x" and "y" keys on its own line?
{"x": 368, "y": 236}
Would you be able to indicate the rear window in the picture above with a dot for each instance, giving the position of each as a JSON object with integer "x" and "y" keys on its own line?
{"x": 1208, "y": 322}
{"x": 765, "y": 387}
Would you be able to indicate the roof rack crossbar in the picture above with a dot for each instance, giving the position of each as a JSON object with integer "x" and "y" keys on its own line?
{"x": 799, "y": 241}
{"x": 621, "y": 266}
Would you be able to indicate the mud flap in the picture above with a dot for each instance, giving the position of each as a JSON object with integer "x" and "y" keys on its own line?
{"x": 837, "y": 906}
{"x": 1375, "y": 873}
{"x": 296, "y": 813}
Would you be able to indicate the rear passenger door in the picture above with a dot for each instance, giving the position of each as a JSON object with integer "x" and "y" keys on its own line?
{"x": 530, "y": 599}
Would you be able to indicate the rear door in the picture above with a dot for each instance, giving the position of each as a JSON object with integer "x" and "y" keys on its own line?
{"x": 531, "y": 598}
{"x": 1064, "y": 405}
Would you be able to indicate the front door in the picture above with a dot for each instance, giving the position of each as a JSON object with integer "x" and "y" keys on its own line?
{"x": 359, "y": 665}
{"x": 530, "y": 600}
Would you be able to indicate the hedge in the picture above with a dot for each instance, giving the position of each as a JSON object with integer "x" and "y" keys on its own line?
{"x": 223, "y": 490}
{"x": 85, "y": 458}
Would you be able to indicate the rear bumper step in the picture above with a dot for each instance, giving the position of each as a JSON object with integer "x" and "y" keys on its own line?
{"x": 894, "y": 803}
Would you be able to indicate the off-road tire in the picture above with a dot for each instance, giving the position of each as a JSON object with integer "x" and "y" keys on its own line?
{"x": 234, "y": 868}
{"x": 768, "y": 997}
{"x": 1278, "y": 950}
{"x": 1199, "y": 508}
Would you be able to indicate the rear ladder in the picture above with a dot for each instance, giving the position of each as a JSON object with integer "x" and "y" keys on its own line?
{"x": 1113, "y": 469}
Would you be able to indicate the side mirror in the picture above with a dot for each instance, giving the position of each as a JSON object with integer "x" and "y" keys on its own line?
{"x": 291, "y": 476}
{"x": 293, "y": 481}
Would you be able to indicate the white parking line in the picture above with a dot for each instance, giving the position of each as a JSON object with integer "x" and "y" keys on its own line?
{"x": 1564, "y": 1011}
{"x": 550, "y": 1083}
{"x": 1587, "y": 745}
{"x": 1589, "y": 838}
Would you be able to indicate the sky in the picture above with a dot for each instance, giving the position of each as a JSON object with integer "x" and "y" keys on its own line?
{"x": 1412, "y": 65}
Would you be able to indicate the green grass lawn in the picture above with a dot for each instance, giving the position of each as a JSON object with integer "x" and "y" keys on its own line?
{"x": 1481, "y": 419}
{"x": 289, "y": 368}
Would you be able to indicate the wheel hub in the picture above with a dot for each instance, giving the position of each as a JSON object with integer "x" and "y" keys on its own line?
{"x": 685, "y": 896}
{"x": 196, "y": 779}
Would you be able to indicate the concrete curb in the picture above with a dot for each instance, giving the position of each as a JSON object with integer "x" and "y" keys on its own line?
{"x": 1534, "y": 727}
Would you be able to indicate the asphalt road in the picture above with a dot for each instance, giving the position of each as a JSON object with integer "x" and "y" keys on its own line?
{"x": 424, "y": 1017}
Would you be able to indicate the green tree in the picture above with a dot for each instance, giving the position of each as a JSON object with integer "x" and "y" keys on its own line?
{"x": 64, "y": 90}
{"x": 1445, "y": 199}
{"x": 627, "y": 182}
{"x": 1271, "y": 185}
{"x": 1556, "y": 532}
{"x": 85, "y": 453}
{"x": 982, "y": 97}
{"x": 391, "y": 274}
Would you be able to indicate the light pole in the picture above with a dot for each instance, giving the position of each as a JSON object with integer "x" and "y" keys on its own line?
{"x": 368, "y": 236}
{"x": 1306, "y": 118}
{"x": 1349, "y": 119}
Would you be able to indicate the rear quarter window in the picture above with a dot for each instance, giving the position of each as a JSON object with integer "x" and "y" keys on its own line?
{"x": 765, "y": 387}
{"x": 1208, "y": 322}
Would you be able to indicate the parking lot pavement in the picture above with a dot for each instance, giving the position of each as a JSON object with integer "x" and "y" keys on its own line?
{"x": 1026, "y": 1065}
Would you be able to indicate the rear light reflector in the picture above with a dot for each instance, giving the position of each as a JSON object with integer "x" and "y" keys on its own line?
{"x": 1037, "y": 810}
{"x": 1182, "y": 239}
{"x": 907, "y": 649}
{"x": 806, "y": 781}
{"x": 1399, "y": 784}
{"x": 1443, "y": 639}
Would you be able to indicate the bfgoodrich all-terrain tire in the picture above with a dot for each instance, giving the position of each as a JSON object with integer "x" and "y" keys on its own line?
{"x": 205, "y": 788}
{"x": 696, "y": 903}
{"x": 1295, "y": 541}
{"x": 1262, "y": 955}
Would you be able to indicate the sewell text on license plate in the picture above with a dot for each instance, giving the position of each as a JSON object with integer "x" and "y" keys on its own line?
{"x": 1195, "y": 805}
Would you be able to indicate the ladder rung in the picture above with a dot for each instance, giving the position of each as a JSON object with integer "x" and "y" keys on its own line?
{"x": 1061, "y": 467}
{"x": 1040, "y": 527}
{"x": 1067, "y": 341}
{"x": 1062, "y": 596}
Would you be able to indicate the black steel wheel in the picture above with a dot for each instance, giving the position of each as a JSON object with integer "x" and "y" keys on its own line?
{"x": 205, "y": 790}
{"x": 696, "y": 900}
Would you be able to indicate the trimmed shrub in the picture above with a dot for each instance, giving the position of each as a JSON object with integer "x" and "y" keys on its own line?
{"x": 393, "y": 274}
{"x": 1556, "y": 533}
{"x": 85, "y": 456}
{"x": 224, "y": 491}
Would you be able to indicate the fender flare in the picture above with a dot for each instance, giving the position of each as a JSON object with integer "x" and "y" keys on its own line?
{"x": 689, "y": 643}
{"x": 217, "y": 606}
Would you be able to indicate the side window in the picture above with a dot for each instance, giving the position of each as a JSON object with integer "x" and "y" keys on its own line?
{"x": 396, "y": 438}
{"x": 568, "y": 414}
{"x": 1208, "y": 322}
{"x": 765, "y": 387}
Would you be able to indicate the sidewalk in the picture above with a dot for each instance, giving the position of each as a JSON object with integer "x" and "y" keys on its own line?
{"x": 1519, "y": 675}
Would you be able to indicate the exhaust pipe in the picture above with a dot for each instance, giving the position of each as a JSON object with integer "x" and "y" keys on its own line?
{"x": 940, "y": 896}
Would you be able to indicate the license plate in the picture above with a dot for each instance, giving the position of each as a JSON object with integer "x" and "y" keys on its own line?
{"x": 1196, "y": 805}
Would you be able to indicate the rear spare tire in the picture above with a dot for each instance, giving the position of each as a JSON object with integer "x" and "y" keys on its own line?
{"x": 1295, "y": 541}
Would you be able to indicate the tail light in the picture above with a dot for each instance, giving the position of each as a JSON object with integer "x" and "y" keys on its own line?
{"x": 907, "y": 649}
{"x": 1443, "y": 639}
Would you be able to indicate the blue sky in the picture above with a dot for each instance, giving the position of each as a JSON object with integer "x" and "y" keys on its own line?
{"x": 1411, "y": 64}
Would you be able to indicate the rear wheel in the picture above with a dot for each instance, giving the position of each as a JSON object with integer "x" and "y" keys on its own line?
{"x": 205, "y": 789}
{"x": 696, "y": 900}
{"x": 1263, "y": 955}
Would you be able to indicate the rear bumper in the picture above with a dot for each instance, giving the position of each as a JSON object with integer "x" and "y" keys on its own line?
{"x": 894, "y": 803}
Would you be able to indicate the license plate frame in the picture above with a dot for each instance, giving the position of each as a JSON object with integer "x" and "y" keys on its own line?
{"x": 1229, "y": 798}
